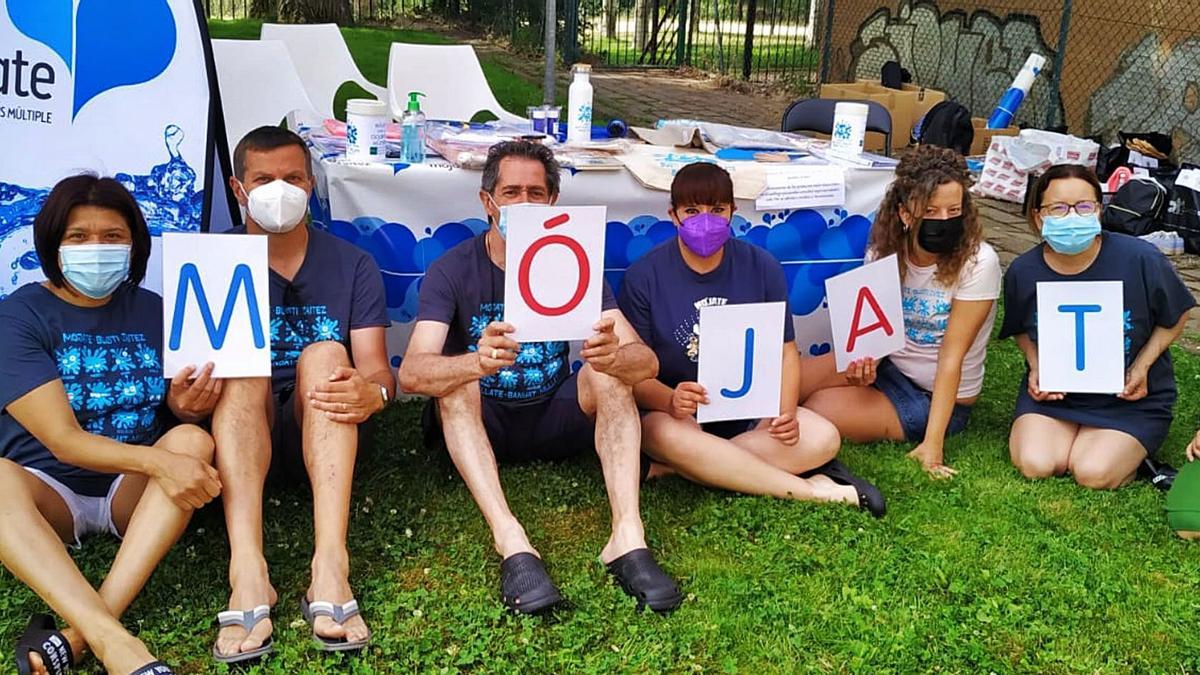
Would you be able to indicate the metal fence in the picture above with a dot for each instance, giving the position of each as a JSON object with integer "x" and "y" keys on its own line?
{"x": 1115, "y": 65}
{"x": 370, "y": 11}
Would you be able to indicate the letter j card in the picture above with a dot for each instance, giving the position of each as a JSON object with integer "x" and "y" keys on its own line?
{"x": 1081, "y": 336}
{"x": 741, "y": 360}
{"x": 216, "y": 302}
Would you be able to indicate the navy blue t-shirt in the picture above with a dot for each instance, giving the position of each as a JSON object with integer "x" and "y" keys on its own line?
{"x": 465, "y": 290}
{"x": 1154, "y": 296}
{"x": 109, "y": 361}
{"x": 337, "y": 289}
{"x": 661, "y": 296}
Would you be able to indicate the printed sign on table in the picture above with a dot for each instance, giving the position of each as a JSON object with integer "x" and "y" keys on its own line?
{"x": 741, "y": 360}
{"x": 216, "y": 302}
{"x": 865, "y": 314}
{"x": 1081, "y": 336}
{"x": 554, "y": 266}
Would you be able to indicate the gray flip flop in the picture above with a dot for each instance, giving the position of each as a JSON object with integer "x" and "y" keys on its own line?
{"x": 339, "y": 614}
{"x": 247, "y": 619}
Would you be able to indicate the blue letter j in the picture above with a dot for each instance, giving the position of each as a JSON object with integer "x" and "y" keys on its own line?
{"x": 747, "y": 372}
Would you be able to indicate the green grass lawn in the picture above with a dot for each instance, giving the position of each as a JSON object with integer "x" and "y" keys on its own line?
{"x": 984, "y": 572}
{"x": 370, "y": 47}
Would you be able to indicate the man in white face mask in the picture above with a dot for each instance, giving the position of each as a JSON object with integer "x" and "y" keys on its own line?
{"x": 330, "y": 373}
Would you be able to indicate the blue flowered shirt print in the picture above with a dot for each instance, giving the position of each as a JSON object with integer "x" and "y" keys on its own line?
{"x": 465, "y": 290}
{"x": 926, "y": 314}
{"x": 108, "y": 360}
{"x": 337, "y": 289}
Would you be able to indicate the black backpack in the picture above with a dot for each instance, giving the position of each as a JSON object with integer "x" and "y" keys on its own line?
{"x": 947, "y": 124}
{"x": 1137, "y": 208}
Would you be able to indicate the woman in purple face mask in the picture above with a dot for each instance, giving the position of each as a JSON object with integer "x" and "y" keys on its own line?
{"x": 950, "y": 280}
{"x": 661, "y": 295}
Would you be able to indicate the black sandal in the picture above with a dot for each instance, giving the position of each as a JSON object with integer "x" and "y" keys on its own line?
{"x": 156, "y": 668}
{"x": 42, "y": 636}
{"x": 642, "y": 578}
{"x": 525, "y": 586}
{"x": 869, "y": 496}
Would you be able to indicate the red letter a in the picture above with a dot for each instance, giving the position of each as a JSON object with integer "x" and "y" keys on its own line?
{"x": 881, "y": 321}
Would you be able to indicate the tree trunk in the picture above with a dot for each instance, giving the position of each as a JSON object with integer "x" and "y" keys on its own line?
{"x": 610, "y": 19}
{"x": 264, "y": 9}
{"x": 316, "y": 11}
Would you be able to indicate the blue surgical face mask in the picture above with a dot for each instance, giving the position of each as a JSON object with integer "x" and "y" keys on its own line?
{"x": 1070, "y": 234}
{"x": 95, "y": 270}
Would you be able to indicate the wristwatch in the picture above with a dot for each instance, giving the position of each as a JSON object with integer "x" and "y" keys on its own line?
{"x": 383, "y": 392}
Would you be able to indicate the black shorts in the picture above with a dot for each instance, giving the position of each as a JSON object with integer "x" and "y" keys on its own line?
{"x": 551, "y": 429}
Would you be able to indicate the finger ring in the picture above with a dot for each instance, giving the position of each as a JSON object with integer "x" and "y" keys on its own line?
{"x": 493, "y": 353}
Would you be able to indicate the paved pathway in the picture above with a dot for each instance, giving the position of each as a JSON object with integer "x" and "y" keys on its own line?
{"x": 640, "y": 97}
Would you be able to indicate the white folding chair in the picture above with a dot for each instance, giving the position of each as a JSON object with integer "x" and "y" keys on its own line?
{"x": 259, "y": 85}
{"x": 449, "y": 75}
{"x": 322, "y": 60}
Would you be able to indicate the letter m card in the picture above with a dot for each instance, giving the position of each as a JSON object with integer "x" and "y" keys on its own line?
{"x": 866, "y": 317}
{"x": 741, "y": 360}
{"x": 553, "y": 271}
{"x": 216, "y": 303}
{"x": 1081, "y": 336}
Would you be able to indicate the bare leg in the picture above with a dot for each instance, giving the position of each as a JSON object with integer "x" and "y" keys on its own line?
{"x": 861, "y": 414}
{"x": 461, "y": 413}
{"x": 330, "y": 450}
{"x": 817, "y": 373}
{"x": 744, "y": 463}
{"x": 242, "y": 431}
{"x": 618, "y": 442}
{"x": 1040, "y": 446}
{"x": 33, "y": 551}
{"x": 1105, "y": 459}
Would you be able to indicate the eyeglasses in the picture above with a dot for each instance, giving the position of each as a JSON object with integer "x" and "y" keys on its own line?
{"x": 1061, "y": 209}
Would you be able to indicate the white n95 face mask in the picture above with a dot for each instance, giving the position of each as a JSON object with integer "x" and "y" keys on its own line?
{"x": 278, "y": 207}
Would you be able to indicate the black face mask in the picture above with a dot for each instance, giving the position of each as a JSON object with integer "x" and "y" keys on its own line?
{"x": 940, "y": 236}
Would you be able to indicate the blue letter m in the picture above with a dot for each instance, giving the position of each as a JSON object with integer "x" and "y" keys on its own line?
{"x": 189, "y": 277}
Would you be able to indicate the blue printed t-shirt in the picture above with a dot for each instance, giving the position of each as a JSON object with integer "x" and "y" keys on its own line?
{"x": 464, "y": 289}
{"x": 109, "y": 361}
{"x": 661, "y": 296}
{"x": 337, "y": 289}
{"x": 1154, "y": 296}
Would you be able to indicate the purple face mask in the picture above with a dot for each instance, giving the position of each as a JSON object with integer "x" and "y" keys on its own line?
{"x": 704, "y": 233}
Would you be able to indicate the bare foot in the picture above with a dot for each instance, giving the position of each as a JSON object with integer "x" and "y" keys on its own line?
{"x": 828, "y": 490}
{"x": 123, "y": 655}
{"x": 249, "y": 591}
{"x": 511, "y": 540}
{"x": 330, "y": 583}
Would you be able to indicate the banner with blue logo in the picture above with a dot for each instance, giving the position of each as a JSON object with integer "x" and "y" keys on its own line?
{"x": 120, "y": 89}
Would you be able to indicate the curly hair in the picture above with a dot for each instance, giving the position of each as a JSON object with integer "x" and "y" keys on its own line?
{"x": 920, "y": 172}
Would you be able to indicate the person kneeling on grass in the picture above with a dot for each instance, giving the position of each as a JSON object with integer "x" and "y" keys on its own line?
{"x": 83, "y": 435}
{"x": 950, "y": 280}
{"x": 1101, "y": 439}
{"x": 662, "y": 294}
{"x": 495, "y": 399}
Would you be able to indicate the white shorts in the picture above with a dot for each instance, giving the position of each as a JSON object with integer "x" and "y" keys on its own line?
{"x": 91, "y": 514}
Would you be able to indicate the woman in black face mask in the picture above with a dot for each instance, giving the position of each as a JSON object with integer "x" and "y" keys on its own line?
{"x": 950, "y": 280}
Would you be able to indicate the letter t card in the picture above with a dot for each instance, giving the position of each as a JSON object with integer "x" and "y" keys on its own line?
{"x": 1081, "y": 336}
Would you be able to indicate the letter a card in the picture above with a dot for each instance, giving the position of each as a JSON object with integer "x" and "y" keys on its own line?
{"x": 741, "y": 360}
{"x": 1081, "y": 336}
{"x": 553, "y": 270}
{"x": 216, "y": 304}
{"x": 865, "y": 314}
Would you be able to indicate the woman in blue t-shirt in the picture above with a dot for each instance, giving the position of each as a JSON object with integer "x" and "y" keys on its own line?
{"x": 82, "y": 435}
{"x": 661, "y": 295}
{"x": 1099, "y": 438}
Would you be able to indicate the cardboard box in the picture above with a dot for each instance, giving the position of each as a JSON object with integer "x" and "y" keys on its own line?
{"x": 984, "y": 136}
{"x": 906, "y": 106}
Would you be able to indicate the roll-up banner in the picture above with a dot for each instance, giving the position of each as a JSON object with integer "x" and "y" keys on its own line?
{"x": 120, "y": 89}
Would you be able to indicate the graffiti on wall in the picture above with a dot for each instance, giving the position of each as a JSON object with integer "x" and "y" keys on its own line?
{"x": 1154, "y": 88}
{"x": 972, "y": 58}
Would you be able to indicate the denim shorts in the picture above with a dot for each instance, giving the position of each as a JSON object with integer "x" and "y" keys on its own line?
{"x": 912, "y": 403}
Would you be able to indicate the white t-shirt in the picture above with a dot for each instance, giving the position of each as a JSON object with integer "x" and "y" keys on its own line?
{"x": 926, "y": 306}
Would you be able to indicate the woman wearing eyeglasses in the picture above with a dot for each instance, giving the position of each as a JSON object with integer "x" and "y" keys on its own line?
{"x": 1099, "y": 438}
